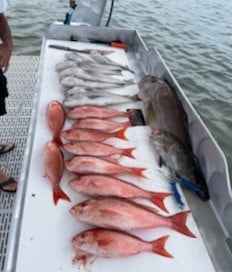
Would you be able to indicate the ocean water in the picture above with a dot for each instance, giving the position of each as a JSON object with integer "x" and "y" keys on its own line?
{"x": 193, "y": 37}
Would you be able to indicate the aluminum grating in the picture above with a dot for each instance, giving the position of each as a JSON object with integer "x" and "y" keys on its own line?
{"x": 21, "y": 76}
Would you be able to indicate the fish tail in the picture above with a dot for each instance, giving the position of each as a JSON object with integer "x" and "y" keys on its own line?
{"x": 59, "y": 194}
{"x": 158, "y": 247}
{"x": 138, "y": 171}
{"x": 179, "y": 223}
{"x": 128, "y": 152}
{"x": 158, "y": 199}
{"x": 121, "y": 134}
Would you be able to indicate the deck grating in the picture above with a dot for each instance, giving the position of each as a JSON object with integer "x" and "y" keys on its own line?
{"x": 14, "y": 127}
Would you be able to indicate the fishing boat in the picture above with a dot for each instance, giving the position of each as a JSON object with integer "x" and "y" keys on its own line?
{"x": 37, "y": 225}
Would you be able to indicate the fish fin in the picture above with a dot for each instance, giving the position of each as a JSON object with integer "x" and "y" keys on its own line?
{"x": 121, "y": 134}
{"x": 179, "y": 223}
{"x": 59, "y": 194}
{"x": 128, "y": 152}
{"x": 130, "y": 81}
{"x": 158, "y": 200}
{"x": 158, "y": 247}
{"x": 138, "y": 171}
{"x": 135, "y": 97}
{"x": 83, "y": 258}
{"x": 161, "y": 161}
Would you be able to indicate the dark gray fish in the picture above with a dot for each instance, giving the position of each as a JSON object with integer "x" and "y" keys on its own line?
{"x": 180, "y": 160}
{"x": 162, "y": 109}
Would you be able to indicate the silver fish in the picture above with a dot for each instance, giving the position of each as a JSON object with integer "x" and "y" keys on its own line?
{"x": 81, "y": 59}
{"x": 96, "y": 98}
{"x": 106, "y": 61}
{"x": 65, "y": 64}
{"x": 91, "y": 75}
{"x": 75, "y": 71}
{"x": 109, "y": 70}
{"x": 180, "y": 160}
{"x": 73, "y": 81}
{"x": 75, "y": 91}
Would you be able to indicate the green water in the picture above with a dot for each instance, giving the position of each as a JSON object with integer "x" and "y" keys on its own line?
{"x": 194, "y": 38}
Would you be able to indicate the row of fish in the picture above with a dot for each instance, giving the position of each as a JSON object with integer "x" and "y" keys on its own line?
{"x": 96, "y": 164}
{"x": 97, "y": 179}
{"x": 168, "y": 120}
{"x": 89, "y": 80}
{"x": 91, "y": 154}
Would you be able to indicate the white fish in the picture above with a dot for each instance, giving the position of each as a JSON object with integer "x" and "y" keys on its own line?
{"x": 97, "y": 99}
{"x": 90, "y": 69}
{"x": 108, "y": 70}
{"x": 106, "y": 61}
{"x": 81, "y": 59}
{"x": 73, "y": 81}
{"x": 65, "y": 64}
{"x": 92, "y": 75}
{"x": 75, "y": 91}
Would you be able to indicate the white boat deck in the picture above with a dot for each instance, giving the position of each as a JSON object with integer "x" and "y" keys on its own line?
{"x": 22, "y": 77}
{"x": 14, "y": 127}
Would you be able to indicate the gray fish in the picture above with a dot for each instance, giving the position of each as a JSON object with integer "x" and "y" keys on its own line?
{"x": 65, "y": 64}
{"x": 76, "y": 82}
{"x": 80, "y": 58}
{"x": 75, "y": 70}
{"x": 162, "y": 109}
{"x": 91, "y": 75}
{"x": 106, "y": 61}
{"x": 97, "y": 99}
{"x": 180, "y": 160}
{"x": 112, "y": 70}
{"x": 74, "y": 91}
{"x": 84, "y": 59}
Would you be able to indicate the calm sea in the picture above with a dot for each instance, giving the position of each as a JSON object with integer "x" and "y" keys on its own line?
{"x": 193, "y": 36}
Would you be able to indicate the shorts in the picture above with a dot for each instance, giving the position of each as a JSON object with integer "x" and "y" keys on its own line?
{"x": 3, "y": 93}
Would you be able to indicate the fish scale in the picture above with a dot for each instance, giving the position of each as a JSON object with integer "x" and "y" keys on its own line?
{"x": 89, "y": 164}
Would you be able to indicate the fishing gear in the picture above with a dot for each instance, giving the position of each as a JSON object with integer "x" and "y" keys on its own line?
{"x": 176, "y": 194}
{"x": 183, "y": 182}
